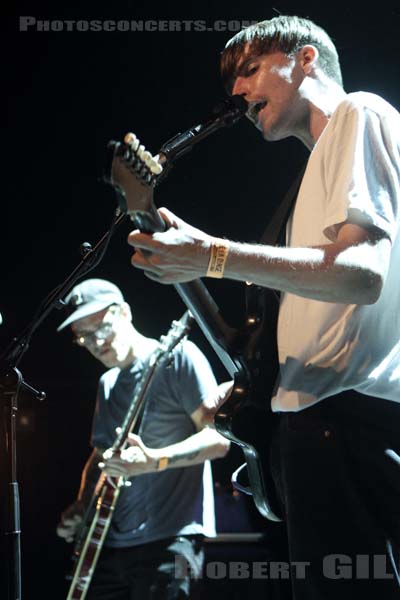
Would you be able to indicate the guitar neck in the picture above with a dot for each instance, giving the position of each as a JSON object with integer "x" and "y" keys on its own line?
{"x": 135, "y": 407}
{"x": 204, "y": 309}
{"x": 196, "y": 297}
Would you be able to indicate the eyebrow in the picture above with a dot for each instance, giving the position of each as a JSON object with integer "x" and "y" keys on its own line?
{"x": 243, "y": 66}
{"x": 79, "y": 332}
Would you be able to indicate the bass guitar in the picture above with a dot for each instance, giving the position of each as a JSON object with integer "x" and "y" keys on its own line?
{"x": 97, "y": 522}
{"x": 245, "y": 418}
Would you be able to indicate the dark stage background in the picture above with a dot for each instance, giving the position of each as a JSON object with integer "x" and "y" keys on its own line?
{"x": 68, "y": 94}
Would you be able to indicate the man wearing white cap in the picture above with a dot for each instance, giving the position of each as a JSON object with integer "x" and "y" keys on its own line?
{"x": 169, "y": 508}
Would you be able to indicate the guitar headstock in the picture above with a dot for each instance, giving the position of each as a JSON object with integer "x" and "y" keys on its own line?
{"x": 178, "y": 331}
{"x": 161, "y": 355}
{"x": 134, "y": 172}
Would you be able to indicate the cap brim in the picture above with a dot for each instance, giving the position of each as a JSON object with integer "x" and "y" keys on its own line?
{"x": 84, "y": 311}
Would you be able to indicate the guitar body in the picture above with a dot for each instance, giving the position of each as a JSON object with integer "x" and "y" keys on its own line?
{"x": 251, "y": 428}
{"x": 246, "y": 417}
{"x": 88, "y": 550}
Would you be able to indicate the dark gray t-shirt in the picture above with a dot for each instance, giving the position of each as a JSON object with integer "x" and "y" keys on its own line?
{"x": 177, "y": 501}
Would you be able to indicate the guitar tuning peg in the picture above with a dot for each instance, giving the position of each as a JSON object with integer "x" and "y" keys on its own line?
{"x": 140, "y": 151}
{"x": 146, "y": 157}
{"x": 155, "y": 167}
{"x": 132, "y": 141}
{"x": 130, "y": 138}
{"x": 153, "y": 164}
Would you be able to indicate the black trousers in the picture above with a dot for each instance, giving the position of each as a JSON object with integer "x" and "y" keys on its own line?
{"x": 337, "y": 469}
{"x": 164, "y": 570}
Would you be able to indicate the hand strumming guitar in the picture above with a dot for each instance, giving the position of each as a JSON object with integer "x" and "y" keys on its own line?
{"x": 179, "y": 254}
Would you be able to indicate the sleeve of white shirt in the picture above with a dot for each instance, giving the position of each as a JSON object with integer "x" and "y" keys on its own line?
{"x": 362, "y": 168}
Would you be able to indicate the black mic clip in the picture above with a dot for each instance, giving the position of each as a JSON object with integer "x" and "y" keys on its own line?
{"x": 226, "y": 113}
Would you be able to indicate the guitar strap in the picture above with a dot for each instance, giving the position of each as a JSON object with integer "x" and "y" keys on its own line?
{"x": 274, "y": 234}
{"x": 275, "y": 231}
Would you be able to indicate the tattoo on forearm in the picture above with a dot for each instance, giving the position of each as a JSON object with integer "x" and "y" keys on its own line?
{"x": 185, "y": 456}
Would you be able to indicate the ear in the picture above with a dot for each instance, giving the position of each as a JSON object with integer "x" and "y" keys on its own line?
{"x": 308, "y": 57}
{"x": 126, "y": 311}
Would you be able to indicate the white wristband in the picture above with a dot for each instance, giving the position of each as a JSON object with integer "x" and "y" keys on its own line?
{"x": 218, "y": 256}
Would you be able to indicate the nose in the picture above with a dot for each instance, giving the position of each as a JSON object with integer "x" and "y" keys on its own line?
{"x": 239, "y": 87}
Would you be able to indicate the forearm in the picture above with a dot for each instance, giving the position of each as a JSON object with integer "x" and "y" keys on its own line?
{"x": 207, "y": 444}
{"x": 90, "y": 477}
{"x": 328, "y": 273}
{"x": 350, "y": 270}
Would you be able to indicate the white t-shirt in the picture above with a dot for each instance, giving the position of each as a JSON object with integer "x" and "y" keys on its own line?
{"x": 353, "y": 175}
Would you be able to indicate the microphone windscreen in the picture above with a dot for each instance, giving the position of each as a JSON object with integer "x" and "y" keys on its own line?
{"x": 240, "y": 102}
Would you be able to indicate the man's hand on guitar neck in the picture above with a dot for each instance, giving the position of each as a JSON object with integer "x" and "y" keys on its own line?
{"x": 179, "y": 254}
{"x": 72, "y": 517}
{"x": 71, "y": 520}
{"x": 136, "y": 459}
{"x": 206, "y": 444}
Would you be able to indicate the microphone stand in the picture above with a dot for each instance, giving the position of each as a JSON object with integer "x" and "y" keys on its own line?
{"x": 11, "y": 383}
{"x": 226, "y": 113}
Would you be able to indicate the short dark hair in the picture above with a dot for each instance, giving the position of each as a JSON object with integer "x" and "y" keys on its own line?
{"x": 281, "y": 34}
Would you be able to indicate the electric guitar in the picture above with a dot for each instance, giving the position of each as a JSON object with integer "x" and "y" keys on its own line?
{"x": 246, "y": 417}
{"x": 96, "y": 523}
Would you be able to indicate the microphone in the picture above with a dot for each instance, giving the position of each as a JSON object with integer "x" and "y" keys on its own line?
{"x": 231, "y": 109}
{"x": 226, "y": 113}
